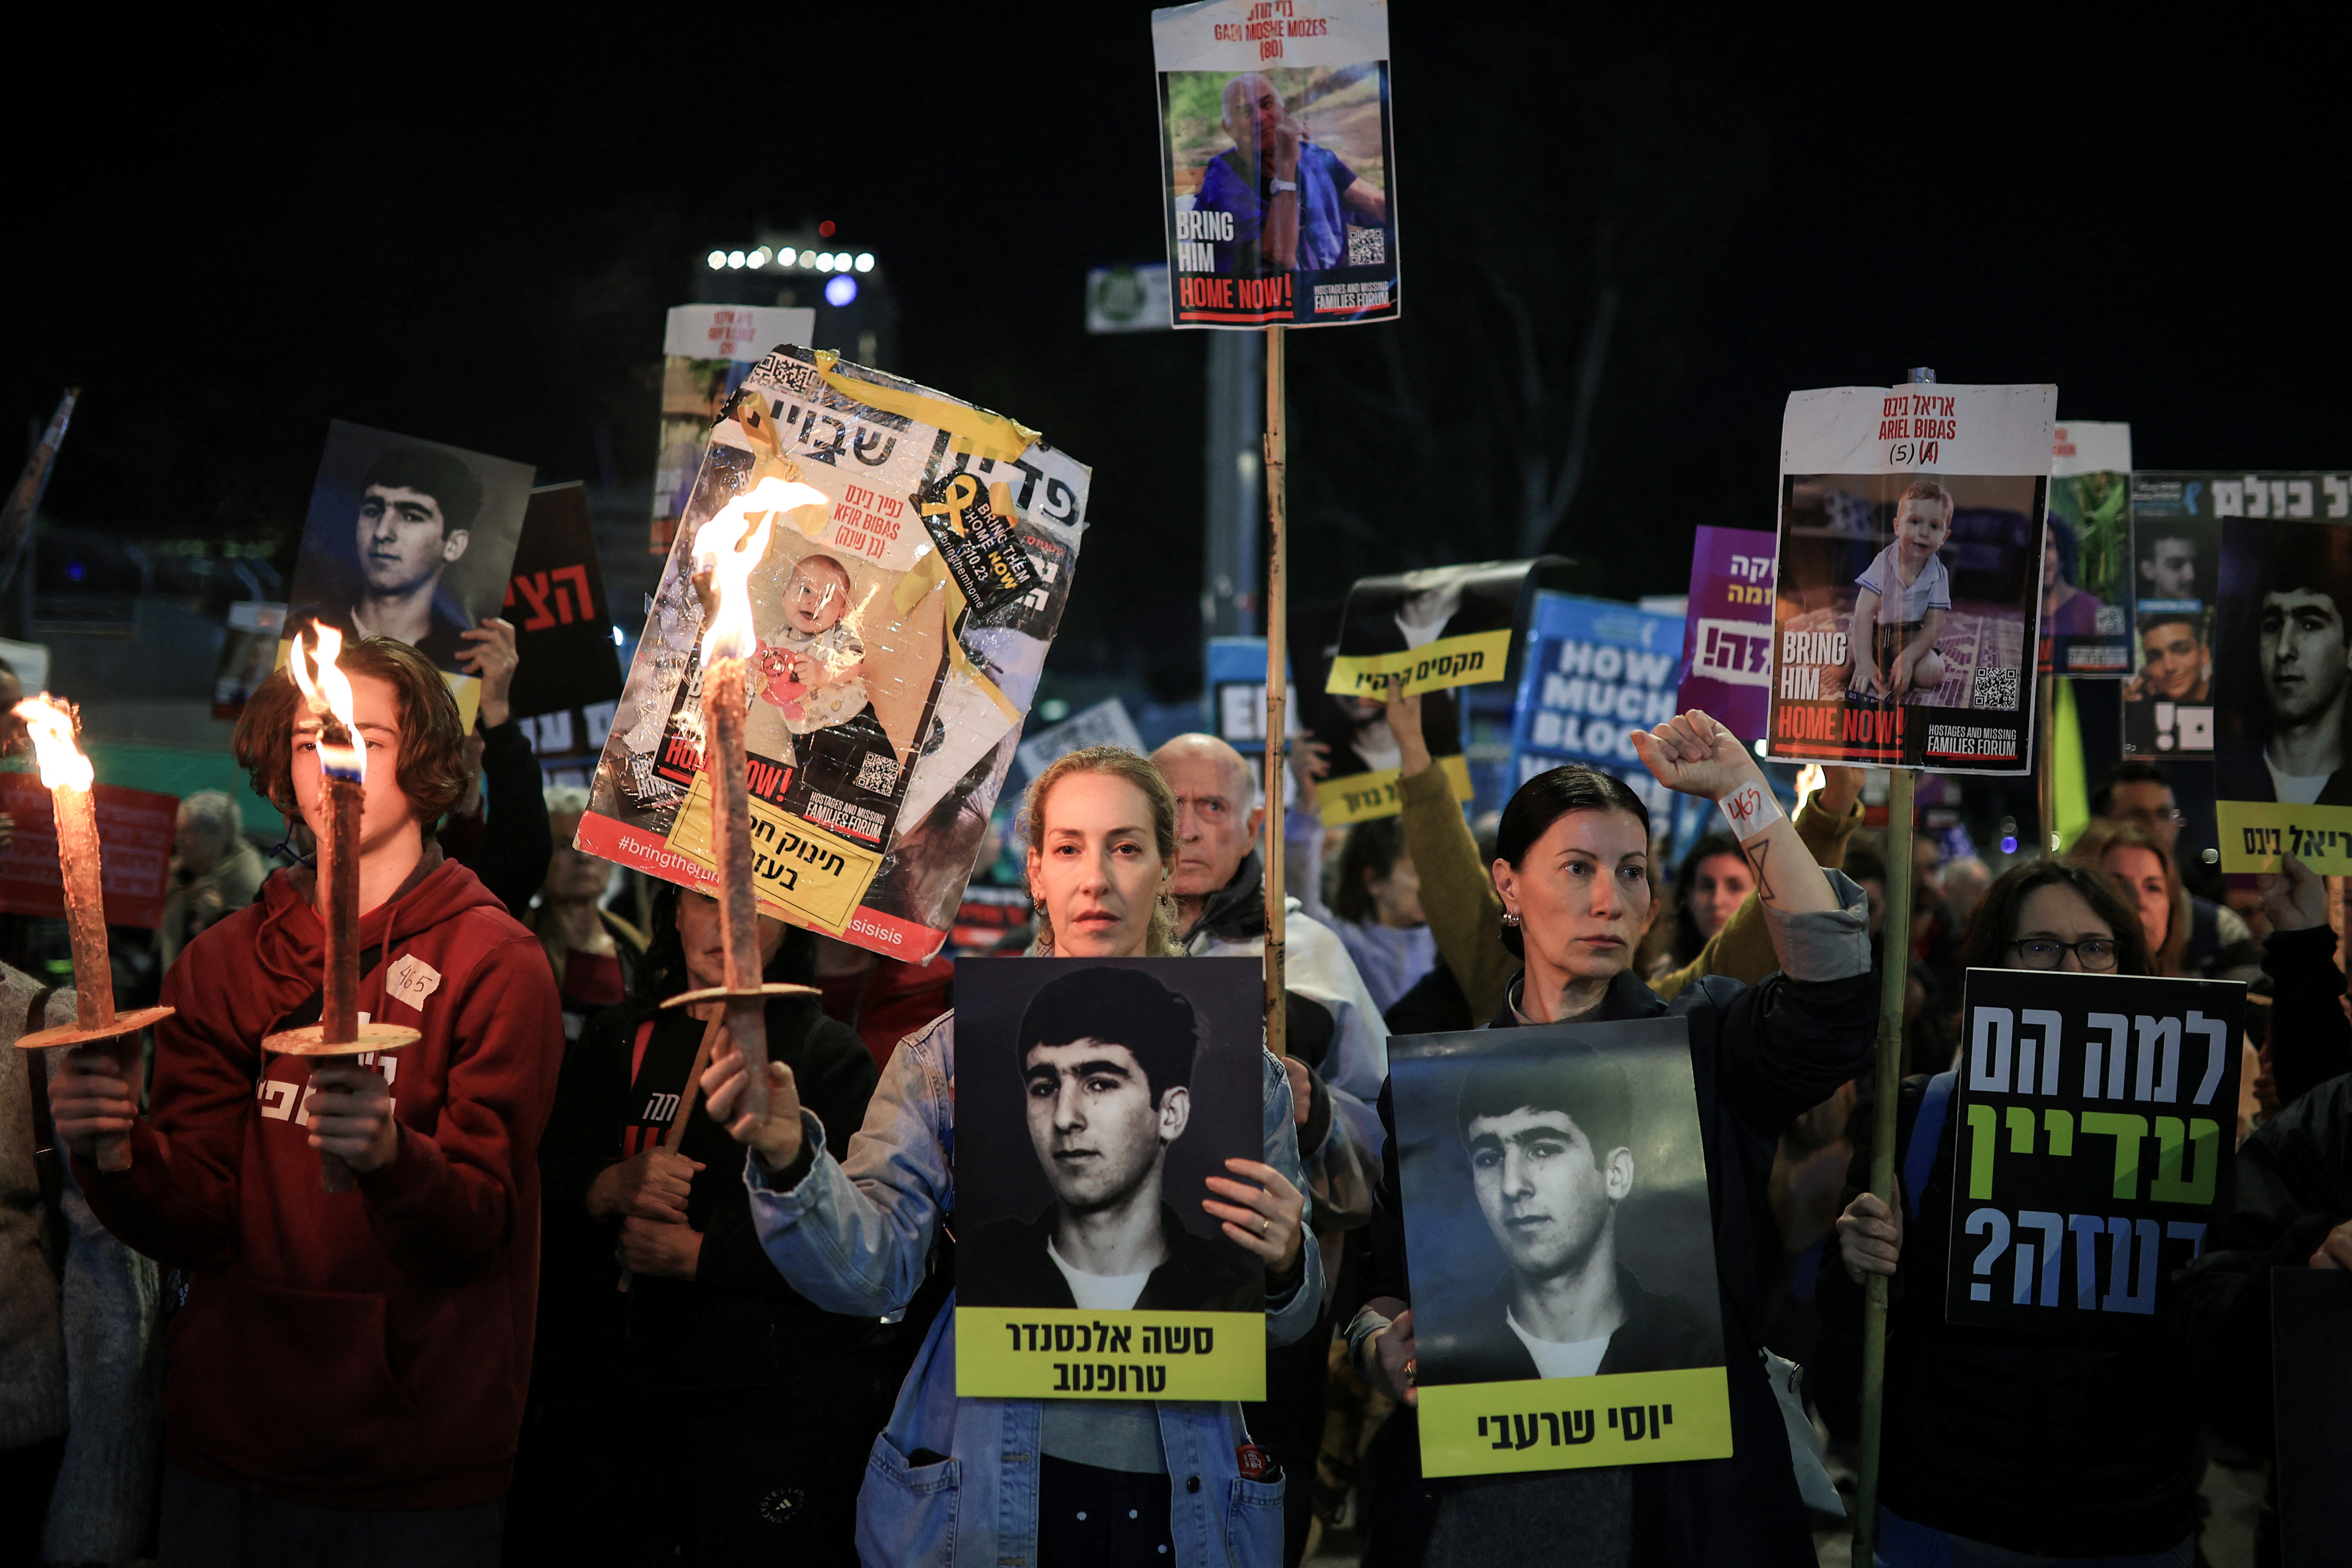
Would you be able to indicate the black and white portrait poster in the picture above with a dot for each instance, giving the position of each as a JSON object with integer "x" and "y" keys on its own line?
{"x": 1094, "y": 1098}
{"x": 1564, "y": 1293}
{"x": 2282, "y": 674}
{"x": 1363, "y": 763}
{"x": 407, "y": 539}
{"x": 1275, "y": 162}
{"x": 1910, "y": 575}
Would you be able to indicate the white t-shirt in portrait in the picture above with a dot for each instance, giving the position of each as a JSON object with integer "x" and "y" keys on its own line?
{"x": 1575, "y": 1358}
{"x": 1899, "y": 604}
{"x": 1099, "y": 1292}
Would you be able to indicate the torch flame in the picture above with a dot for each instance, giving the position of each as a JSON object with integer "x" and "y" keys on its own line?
{"x": 51, "y": 725}
{"x": 330, "y": 691}
{"x": 728, "y": 546}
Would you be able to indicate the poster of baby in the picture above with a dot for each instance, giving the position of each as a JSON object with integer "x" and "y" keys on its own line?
{"x": 916, "y": 562}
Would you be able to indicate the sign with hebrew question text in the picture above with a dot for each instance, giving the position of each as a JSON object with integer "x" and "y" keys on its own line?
{"x": 1727, "y": 635}
{"x": 2095, "y": 1120}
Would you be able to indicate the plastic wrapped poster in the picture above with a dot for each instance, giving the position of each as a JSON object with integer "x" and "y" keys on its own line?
{"x": 1275, "y": 161}
{"x": 902, "y": 625}
{"x": 2087, "y": 558}
{"x": 1908, "y": 587}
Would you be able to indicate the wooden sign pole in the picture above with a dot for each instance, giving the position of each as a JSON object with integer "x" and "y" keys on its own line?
{"x": 1894, "y": 976}
{"x": 1278, "y": 629}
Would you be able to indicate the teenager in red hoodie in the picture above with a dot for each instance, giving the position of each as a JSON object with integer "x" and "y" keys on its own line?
{"x": 347, "y": 1376}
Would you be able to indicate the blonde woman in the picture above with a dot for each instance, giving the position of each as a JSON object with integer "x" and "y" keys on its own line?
{"x": 1054, "y": 1481}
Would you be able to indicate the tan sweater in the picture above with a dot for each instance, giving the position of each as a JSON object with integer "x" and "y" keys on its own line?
{"x": 1466, "y": 913}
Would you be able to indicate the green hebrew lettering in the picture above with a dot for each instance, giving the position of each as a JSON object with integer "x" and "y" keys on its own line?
{"x": 2021, "y": 1129}
{"x": 2059, "y": 1125}
{"x": 2172, "y": 1140}
{"x": 2127, "y": 1130}
{"x": 1982, "y": 1125}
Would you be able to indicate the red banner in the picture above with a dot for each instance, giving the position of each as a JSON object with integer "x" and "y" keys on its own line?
{"x": 135, "y": 835}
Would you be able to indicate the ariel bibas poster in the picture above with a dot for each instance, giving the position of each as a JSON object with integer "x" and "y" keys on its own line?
{"x": 902, "y": 625}
{"x": 1909, "y": 577}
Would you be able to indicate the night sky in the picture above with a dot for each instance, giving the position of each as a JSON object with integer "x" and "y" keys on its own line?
{"x": 472, "y": 238}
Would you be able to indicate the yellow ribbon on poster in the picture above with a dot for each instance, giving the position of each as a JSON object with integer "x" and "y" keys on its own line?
{"x": 1360, "y": 797}
{"x": 2255, "y": 835}
{"x": 1470, "y": 660}
{"x": 1068, "y": 1352}
{"x": 1574, "y": 1423}
{"x": 804, "y": 873}
{"x": 929, "y": 570}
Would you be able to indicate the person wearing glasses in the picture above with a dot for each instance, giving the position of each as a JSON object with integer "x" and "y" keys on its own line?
{"x": 1999, "y": 1445}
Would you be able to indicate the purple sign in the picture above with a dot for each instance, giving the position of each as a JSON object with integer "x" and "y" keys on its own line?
{"x": 1727, "y": 635}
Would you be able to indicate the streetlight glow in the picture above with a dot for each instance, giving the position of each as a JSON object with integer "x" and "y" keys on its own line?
{"x": 865, "y": 261}
{"x": 717, "y": 259}
{"x": 735, "y": 258}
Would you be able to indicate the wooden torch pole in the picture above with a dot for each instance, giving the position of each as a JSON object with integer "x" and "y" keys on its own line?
{"x": 723, "y": 762}
{"x": 1277, "y": 666}
{"x": 339, "y": 880}
{"x": 2046, "y": 793}
{"x": 1895, "y": 979}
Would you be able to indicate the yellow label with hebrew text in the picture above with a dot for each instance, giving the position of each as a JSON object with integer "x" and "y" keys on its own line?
{"x": 1068, "y": 1352}
{"x": 1575, "y": 1423}
{"x": 802, "y": 873}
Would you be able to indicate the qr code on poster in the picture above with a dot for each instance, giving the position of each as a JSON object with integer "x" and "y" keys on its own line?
{"x": 1996, "y": 690}
{"x": 1367, "y": 247}
{"x": 878, "y": 773}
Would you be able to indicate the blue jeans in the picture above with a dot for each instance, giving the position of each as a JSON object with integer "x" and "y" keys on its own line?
{"x": 1903, "y": 1544}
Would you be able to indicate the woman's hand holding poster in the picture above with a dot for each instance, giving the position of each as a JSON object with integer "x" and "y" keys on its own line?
{"x": 1565, "y": 1302}
{"x": 902, "y": 625}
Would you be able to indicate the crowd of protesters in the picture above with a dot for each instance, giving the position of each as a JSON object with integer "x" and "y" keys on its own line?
{"x": 583, "y": 1308}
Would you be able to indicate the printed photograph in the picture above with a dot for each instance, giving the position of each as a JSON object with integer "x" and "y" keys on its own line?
{"x": 2285, "y": 664}
{"x": 1352, "y": 730}
{"x": 2087, "y": 572}
{"x": 1093, "y": 1100}
{"x": 407, "y": 539}
{"x": 2169, "y": 702}
{"x": 1556, "y": 1204}
{"x": 1240, "y": 141}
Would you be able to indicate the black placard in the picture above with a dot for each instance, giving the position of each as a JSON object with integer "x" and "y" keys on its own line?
{"x": 974, "y": 536}
{"x": 555, "y": 598}
{"x": 2095, "y": 1121}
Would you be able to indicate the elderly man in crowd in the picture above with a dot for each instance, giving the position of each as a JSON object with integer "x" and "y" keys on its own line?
{"x": 214, "y": 871}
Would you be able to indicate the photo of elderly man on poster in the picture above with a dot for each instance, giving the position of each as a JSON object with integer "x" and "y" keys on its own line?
{"x": 1106, "y": 1058}
{"x": 2286, "y": 663}
{"x": 1289, "y": 197}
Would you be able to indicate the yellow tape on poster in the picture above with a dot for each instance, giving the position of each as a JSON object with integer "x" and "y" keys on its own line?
{"x": 1067, "y": 1352}
{"x": 1574, "y": 1423}
{"x": 807, "y": 875}
{"x": 2255, "y": 834}
{"x": 1466, "y": 660}
{"x": 1360, "y": 797}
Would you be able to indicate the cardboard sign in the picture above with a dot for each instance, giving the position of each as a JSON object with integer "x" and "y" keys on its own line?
{"x": 891, "y": 704}
{"x": 134, "y": 851}
{"x": 1527, "y": 1155}
{"x": 2096, "y": 1120}
{"x": 1434, "y": 629}
{"x": 1365, "y": 764}
{"x": 1092, "y": 1087}
{"x": 1104, "y": 725}
{"x": 1908, "y": 591}
{"x": 1728, "y": 636}
{"x": 707, "y": 350}
{"x": 2176, "y": 542}
{"x": 555, "y": 597}
{"x": 1274, "y": 160}
{"x": 2087, "y": 568}
{"x": 2282, "y": 673}
{"x": 407, "y": 539}
{"x": 968, "y": 524}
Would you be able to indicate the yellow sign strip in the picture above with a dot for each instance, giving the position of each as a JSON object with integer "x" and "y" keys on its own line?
{"x": 2255, "y": 835}
{"x": 975, "y": 430}
{"x": 1575, "y": 1423}
{"x": 1066, "y": 1352}
{"x": 801, "y": 872}
{"x": 1360, "y": 797}
{"x": 1469, "y": 660}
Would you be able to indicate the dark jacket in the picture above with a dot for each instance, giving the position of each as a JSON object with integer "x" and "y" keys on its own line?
{"x": 1760, "y": 1056}
{"x": 2050, "y": 1442}
{"x": 735, "y": 1323}
{"x": 2293, "y": 1186}
{"x": 365, "y": 1350}
{"x": 506, "y": 842}
{"x": 1659, "y": 1333}
{"x": 1005, "y": 1264}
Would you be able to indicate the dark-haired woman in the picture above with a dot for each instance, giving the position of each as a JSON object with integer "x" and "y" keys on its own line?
{"x": 1376, "y": 911}
{"x": 1715, "y": 880}
{"x": 737, "y": 1412}
{"x": 2009, "y": 1447}
{"x": 1570, "y": 869}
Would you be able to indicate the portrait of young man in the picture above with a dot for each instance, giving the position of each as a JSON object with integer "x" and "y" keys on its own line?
{"x": 2167, "y": 568}
{"x": 1550, "y": 1144}
{"x": 2176, "y": 666}
{"x": 1105, "y": 1057}
{"x": 390, "y": 522}
{"x": 2288, "y": 745}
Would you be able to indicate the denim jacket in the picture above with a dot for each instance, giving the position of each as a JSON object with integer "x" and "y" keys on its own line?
{"x": 855, "y": 1235}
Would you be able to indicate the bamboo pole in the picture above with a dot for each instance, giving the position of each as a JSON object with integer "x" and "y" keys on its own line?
{"x": 1277, "y": 664}
{"x": 1895, "y": 979}
{"x": 2046, "y": 791}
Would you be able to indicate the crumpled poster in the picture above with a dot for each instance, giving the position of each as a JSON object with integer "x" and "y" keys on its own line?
{"x": 902, "y": 627}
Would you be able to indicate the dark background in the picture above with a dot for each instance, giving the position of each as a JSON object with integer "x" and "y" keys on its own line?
{"x": 1665, "y": 1234}
{"x": 231, "y": 234}
{"x": 996, "y": 1168}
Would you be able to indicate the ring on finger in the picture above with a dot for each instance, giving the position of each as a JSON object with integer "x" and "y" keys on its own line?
{"x": 1264, "y": 1224}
